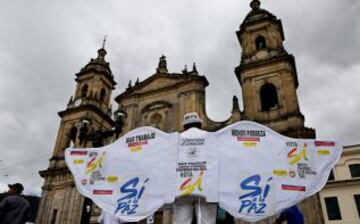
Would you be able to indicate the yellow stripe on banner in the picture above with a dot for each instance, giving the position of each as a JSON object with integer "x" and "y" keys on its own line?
{"x": 280, "y": 173}
{"x": 323, "y": 152}
{"x": 78, "y": 161}
{"x": 249, "y": 144}
{"x": 112, "y": 179}
{"x": 136, "y": 149}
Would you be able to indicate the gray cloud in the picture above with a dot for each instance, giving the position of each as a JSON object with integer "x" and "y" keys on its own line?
{"x": 43, "y": 44}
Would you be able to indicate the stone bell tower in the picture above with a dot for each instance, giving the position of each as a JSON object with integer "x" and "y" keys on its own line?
{"x": 267, "y": 75}
{"x": 61, "y": 202}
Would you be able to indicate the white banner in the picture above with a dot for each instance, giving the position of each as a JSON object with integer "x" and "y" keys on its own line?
{"x": 131, "y": 178}
{"x": 262, "y": 172}
{"x": 250, "y": 170}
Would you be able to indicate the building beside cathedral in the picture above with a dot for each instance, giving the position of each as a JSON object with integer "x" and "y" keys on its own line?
{"x": 268, "y": 79}
{"x": 340, "y": 198}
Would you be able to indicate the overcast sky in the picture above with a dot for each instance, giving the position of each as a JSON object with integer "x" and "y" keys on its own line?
{"x": 44, "y": 43}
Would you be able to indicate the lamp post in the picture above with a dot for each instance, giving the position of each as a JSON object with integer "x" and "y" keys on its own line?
{"x": 96, "y": 139}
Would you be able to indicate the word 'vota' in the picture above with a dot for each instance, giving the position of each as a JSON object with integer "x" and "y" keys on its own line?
{"x": 142, "y": 137}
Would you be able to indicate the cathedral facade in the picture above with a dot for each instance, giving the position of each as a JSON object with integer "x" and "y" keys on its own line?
{"x": 268, "y": 79}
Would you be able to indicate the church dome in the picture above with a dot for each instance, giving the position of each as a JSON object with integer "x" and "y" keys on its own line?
{"x": 256, "y": 14}
{"x": 98, "y": 65}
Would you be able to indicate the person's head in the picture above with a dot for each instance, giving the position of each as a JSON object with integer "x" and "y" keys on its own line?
{"x": 16, "y": 188}
{"x": 191, "y": 120}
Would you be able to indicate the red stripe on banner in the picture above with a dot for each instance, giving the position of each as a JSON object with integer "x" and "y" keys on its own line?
{"x": 248, "y": 139}
{"x": 78, "y": 153}
{"x": 185, "y": 182}
{"x": 293, "y": 187}
{"x": 291, "y": 152}
{"x": 137, "y": 143}
{"x": 102, "y": 192}
{"x": 323, "y": 143}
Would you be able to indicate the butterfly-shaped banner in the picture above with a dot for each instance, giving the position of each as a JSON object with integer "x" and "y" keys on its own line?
{"x": 250, "y": 170}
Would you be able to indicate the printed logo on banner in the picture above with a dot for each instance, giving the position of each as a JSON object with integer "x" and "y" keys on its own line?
{"x": 84, "y": 182}
{"x": 296, "y": 155}
{"x": 187, "y": 188}
{"x": 255, "y": 200}
{"x": 249, "y": 138}
{"x": 92, "y": 167}
{"x": 292, "y": 173}
{"x": 95, "y": 162}
{"x": 131, "y": 194}
{"x": 299, "y": 158}
{"x": 323, "y": 147}
{"x": 192, "y": 152}
{"x": 137, "y": 142}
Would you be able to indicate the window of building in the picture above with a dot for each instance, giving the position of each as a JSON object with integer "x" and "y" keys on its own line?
{"x": 269, "y": 97}
{"x": 102, "y": 94}
{"x": 260, "y": 43}
{"x": 332, "y": 208}
{"x": 84, "y": 90}
{"x": 331, "y": 176}
{"x": 355, "y": 170}
{"x": 357, "y": 202}
{"x": 53, "y": 218}
{"x": 72, "y": 136}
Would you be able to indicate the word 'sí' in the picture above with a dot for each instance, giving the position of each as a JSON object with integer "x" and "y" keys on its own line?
{"x": 132, "y": 192}
{"x": 254, "y": 202}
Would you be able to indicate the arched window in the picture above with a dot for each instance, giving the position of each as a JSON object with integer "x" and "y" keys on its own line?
{"x": 72, "y": 136}
{"x": 269, "y": 97}
{"x": 102, "y": 94}
{"x": 155, "y": 120}
{"x": 84, "y": 90}
{"x": 260, "y": 43}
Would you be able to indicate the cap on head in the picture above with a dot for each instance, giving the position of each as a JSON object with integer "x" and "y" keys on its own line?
{"x": 191, "y": 118}
{"x": 17, "y": 186}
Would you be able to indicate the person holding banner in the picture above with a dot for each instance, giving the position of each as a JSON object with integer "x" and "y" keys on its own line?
{"x": 108, "y": 218}
{"x": 292, "y": 215}
{"x": 191, "y": 169}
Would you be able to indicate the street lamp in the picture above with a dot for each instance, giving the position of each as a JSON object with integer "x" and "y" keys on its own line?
{"x": 97, "y": 137}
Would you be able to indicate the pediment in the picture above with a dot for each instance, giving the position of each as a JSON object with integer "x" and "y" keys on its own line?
{"x": 158, "y": 82}
{"x": 161, "y": 81}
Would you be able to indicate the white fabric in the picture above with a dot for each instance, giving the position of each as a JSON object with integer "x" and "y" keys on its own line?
{"x": 250, "y": 170}
{"x": 192, "y": 163}
{"x": 262, "y": 172}
{"x": 184, "y": 208}
{"x": 131, "y": 178}
{"x": 108, "y": 218}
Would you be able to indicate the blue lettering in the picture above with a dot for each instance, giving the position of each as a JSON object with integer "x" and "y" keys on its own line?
{"x": 244, "y": 204}
{"x": 129, "y": 188}
{"x": 257, "y": 202}
{"x": 246, "y": 185}
{"x": 129, "y": 203}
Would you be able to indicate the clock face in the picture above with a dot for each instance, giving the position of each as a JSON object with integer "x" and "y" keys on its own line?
{"x": 77, "y": 102}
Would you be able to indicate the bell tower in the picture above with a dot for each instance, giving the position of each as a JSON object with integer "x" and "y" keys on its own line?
{"x": 268, "y": 77}
{"x": 61, "y": 202}
{"x": 267, "y": 74}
